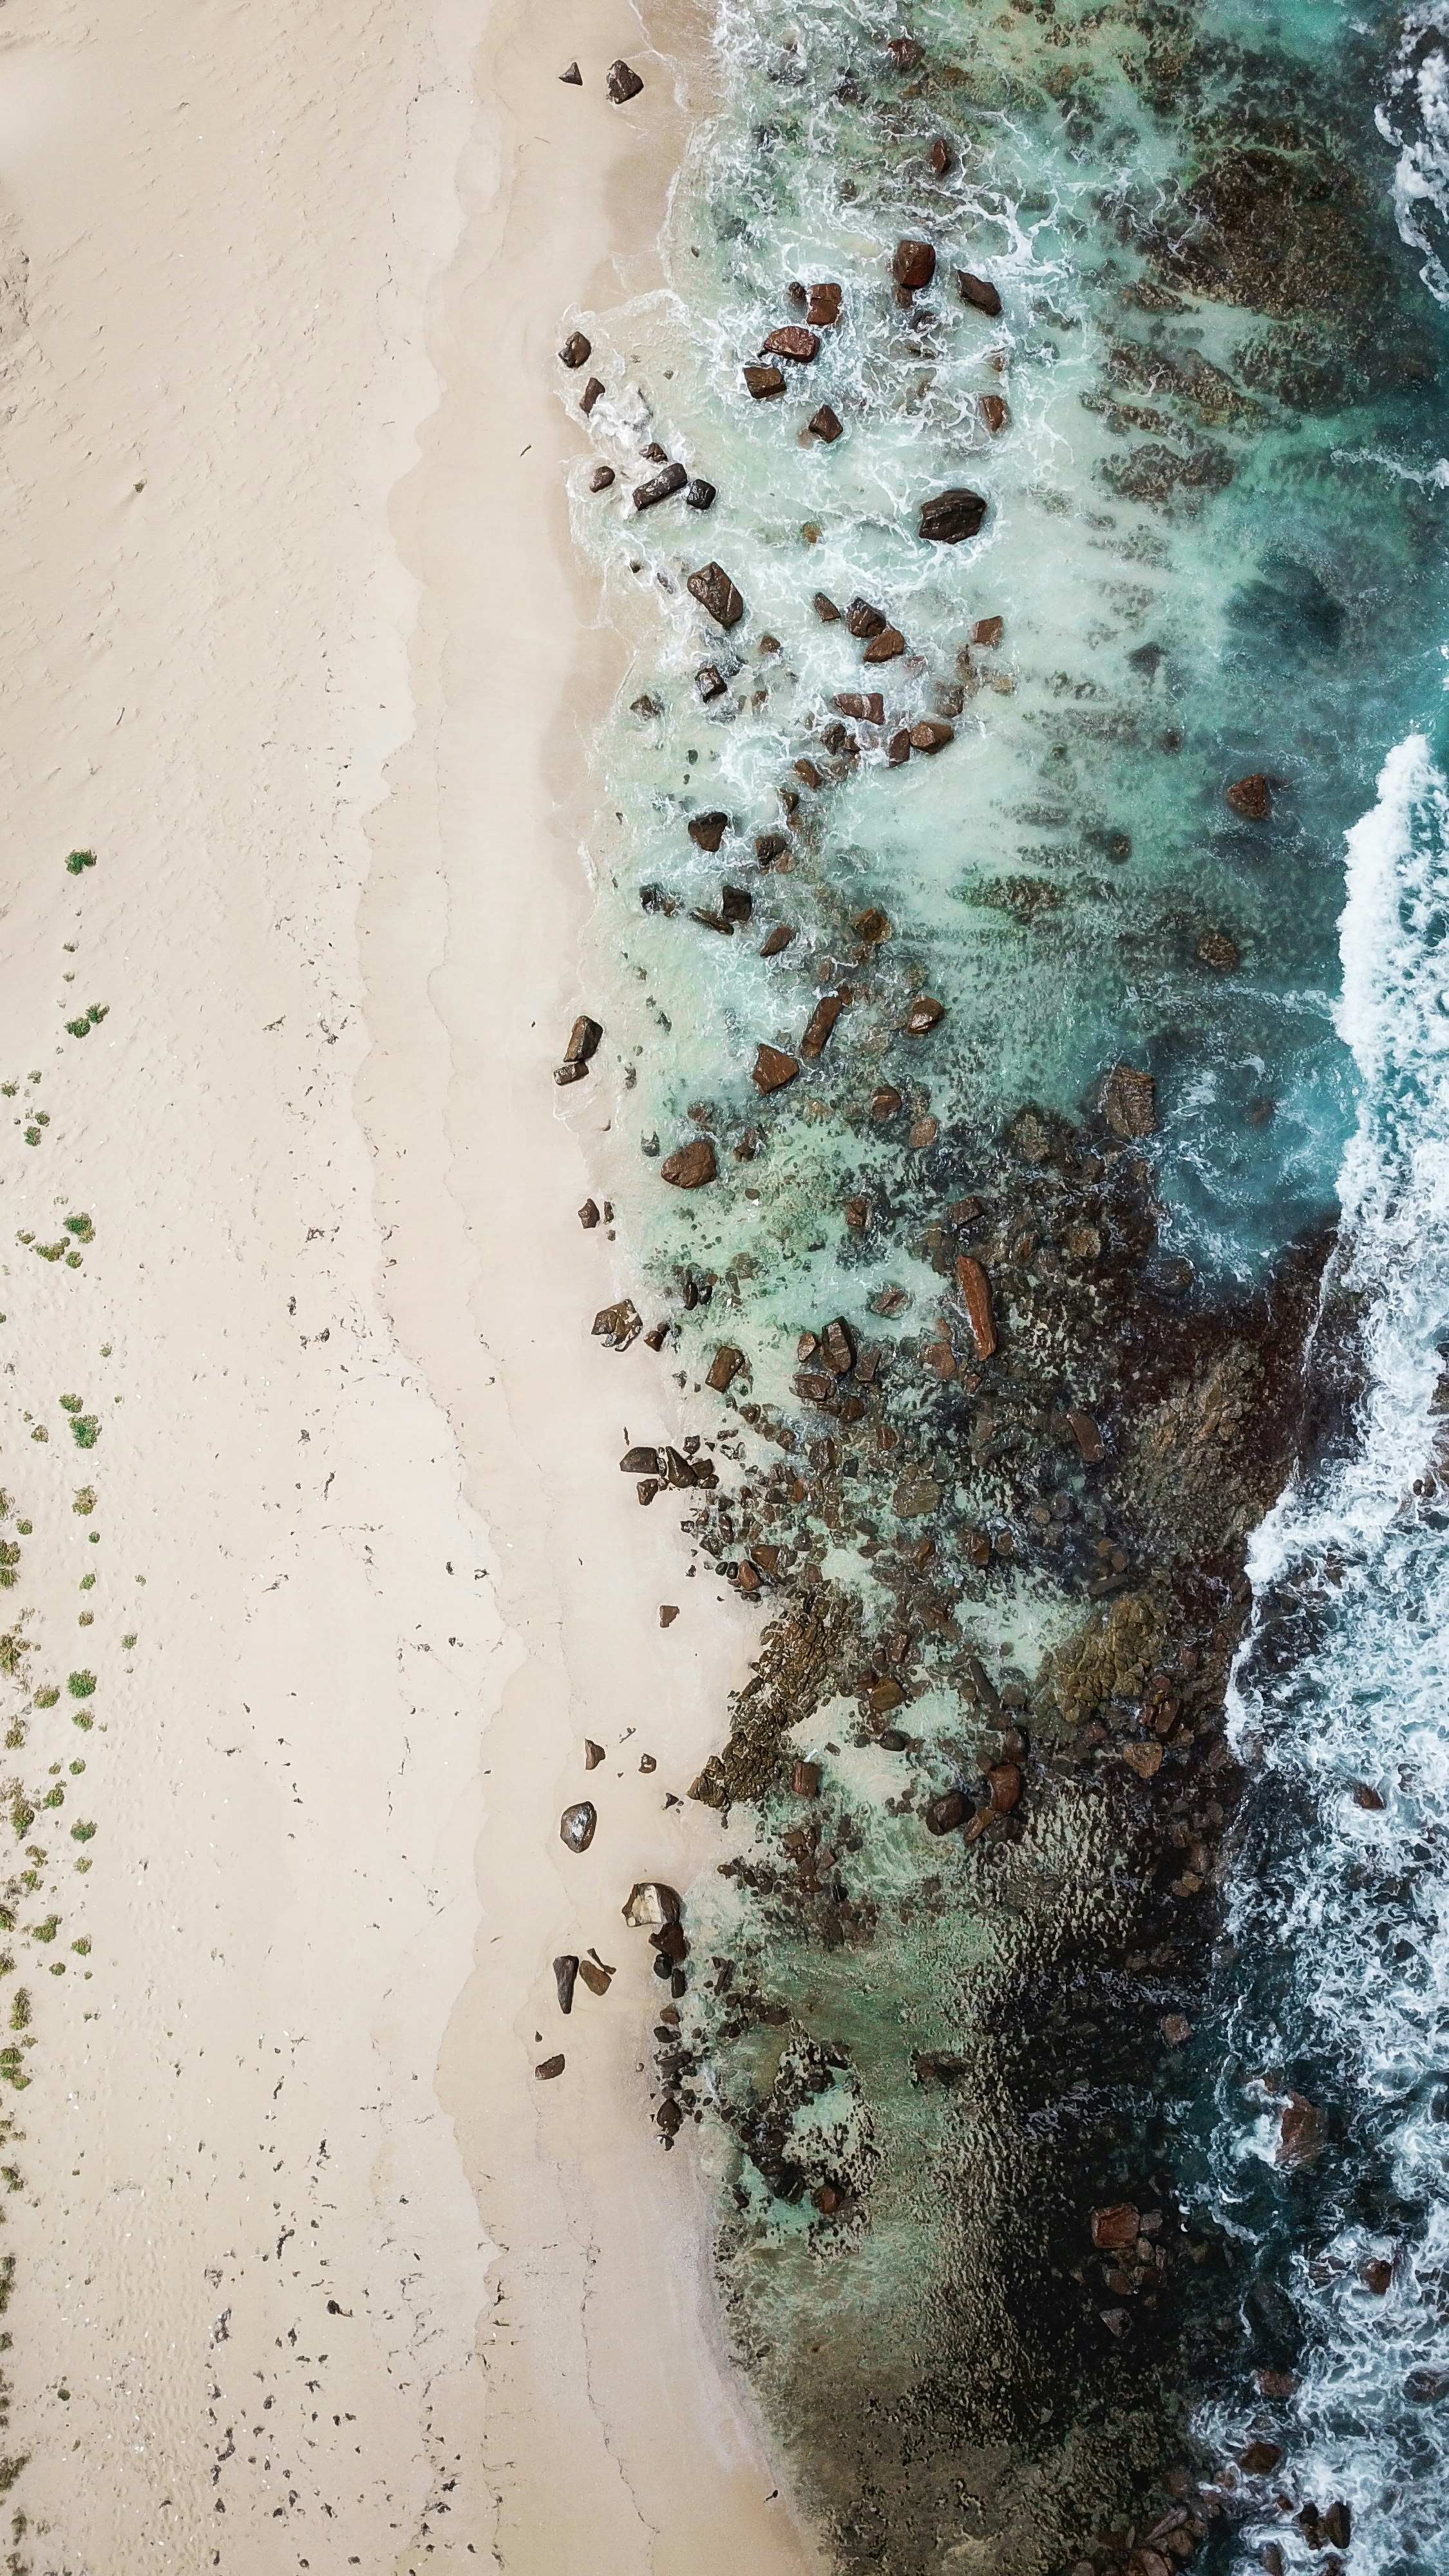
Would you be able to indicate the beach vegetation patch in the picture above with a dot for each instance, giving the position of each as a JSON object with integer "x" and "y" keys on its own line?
{"x": 81, "y": 1227}
{"x": 85, "y": 1500}
{"x": 82, "y": 1833}
{"x": 85, "y": 1430}
{"x": 79, "y": 861}
{"x": 81, "y": 1685}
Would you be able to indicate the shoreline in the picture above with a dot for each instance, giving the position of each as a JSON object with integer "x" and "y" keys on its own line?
{"x": 605, "y": 2350}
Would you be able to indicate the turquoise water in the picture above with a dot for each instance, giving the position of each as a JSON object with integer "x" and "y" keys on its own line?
{"x": 1214, "y": 537}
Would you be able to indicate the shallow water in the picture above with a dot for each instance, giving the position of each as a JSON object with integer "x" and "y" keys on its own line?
{"x": 1214, "y": 536}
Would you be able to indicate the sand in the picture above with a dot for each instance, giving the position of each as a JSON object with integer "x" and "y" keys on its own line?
{"x": 310, "y": 2271}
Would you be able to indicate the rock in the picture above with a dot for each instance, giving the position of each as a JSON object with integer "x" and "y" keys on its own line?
{"x": 906, "y": 52}
{"x": 1114, "y": 2228}
{"x": 1364, "y": 1796}
{"x": 573, "y": 76}
{"x": 1177, "y": 2030}
{"x": 826, "y": 425}
{"x": 886, "y": 646}
{"x": 914, "y": 265}
{"x": 707, "y": 830}
{"x": 575, "y": 350}
{"x": 622, "y": 83}
{"x": 805, "y": 1779}
{"x": 945, "y": 1815}
{"x": 866, "y": 706}
{"x": 1302, "y": 2130}
{"x": 1257, "y": 2458}
{"x": 952, "y": 515}
{"x": 548, "y": 2069}
{"x": 826, "y": 610}
{"x": 773, "y": 1069}
{"x": 592, "y": 392}
{"x": 596, "y": 1976}
{"x": 923, "y": 1015}
{"x": 1004, "y": 1783}
{"x": 576, "y": 1825}
{"x": 564, "y": 1074}
{"x": 716, "y": 594}
{"x": 779, "y": 938}
{"x": 792, "y": 341}
{"x": 770, "y": 846}
{"x": 988, "y": 630}
{"x": 1338, "y": 2523}
{"x": 1251, "y": 797}
{"x": 824, "y": 306}
{"x": 940, "y": 157}
{"x": 994, "y": 412}
{"x": 700, "y": 495}
{"x": 1088, "y": 1439}
{"x": 1129, "y": 1102}
{"x": 898, "y": 750}
{"x": 660, "y": 487}
{"x": 837, "y": 1347}
{"x": 677, "y": 1468}
{"x": 601, "y": 478}
{"x": 1424, "y": 2385}
{"x": 822, "y": 1020}
{"x": 978, "y": 291}
{"x": 864, "y": 620}
{"x": 808, "y": 770}
{"x": 1217, "y": 950}
{"x": 975, "y": 1290}
{"x": 640, "y": 1462}
{"x": 764, "y": 383}
{"x": 565, "y": 1971}
{"x": 649, "y": 1905}
{"x": 710, "y": 682}
{"x": 931, "y": 734}
{"x": 618, "y": 1324}
{"x": 1377, "y": 2275}
{"x": 690, "y": 1166}
{"x": 1144, "y": 1759}
{"x": 668, "y": 1613}
{"x": 871, "y": 927}
{"x": 724, "y": 1368}
{"x": 584, "y": 1039}
{"x": 593, "y": 1754}
{"x": 588, "y": 1216}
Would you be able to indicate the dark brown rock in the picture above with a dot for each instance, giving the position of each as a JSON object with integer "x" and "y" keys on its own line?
{"x": 978, "y": 291}
{"x": 618, "y": 1324}
{"x": 779, "y": 939}
{"x": 573, "y": 77}
{"x": 764, "y": 382}
{"x": 867, "y": 706}
{"x": 584, "y": 1039}
{"x": 1338, "y": 2523}
{"x": 898, "y": 750}
{"x": 650, "y": 1905}
{"x": 792, "y": 341}
{"x": 622, "y": 83}
{"x": 826, "y": 610}
{"x": 668, "y": 1613}
{"x": 975, "y": 1290}
{"x": 1004, "y": 1783}
{"x": 824, "y": 306}
{"x": 891, "y": 1740}
{"x": 1377, "y": 2275}
{"x": 871, "y": 927}
{"x": 640, "y": 1462}
{"x": 707, "y": 830}
{"x": 564, "y": 1074}
{"x": 940, "y": 157}
{"x": 994, "y": 412}
{"x": 923, "y": 1015}
{"x": 548, "y": 2068}
{"x": 1145, "y": 1758}
{"x": 810, "y": 772}
{"x": 988, "y": 630}
{"x": 951, "y": 516}
{"x": 906, "y": 52}
{"x": 577, "y": 1823}
{"x": 864, "y": 620}
{"x": 575, "y": 350}
{"x": 822, "y": 1020}
{"x": 1256, "y": 2458}
{"x": 690, "y": 1166}
{"x": 1364, "y": 1796}
{"x": 1129, "y": 1102}
{"x": 700, "y": 495}
{"x": 1302, "y": 2130}
{"x": 914, "y": 265}
{"x": 593, "y": 1754}
{"x": 837, "y": 1347}
{"x": 710, "y": 682}
{"x": 660, "y": 487}
{"x": 565, "y": 1972}
{"x": 931, "y": 734}
{"x": 805, "y": 1779}
{"x": 591, "y": 394}
{"x": 588, "y": 1215}
{"x": 1217, "y": 950}
{"x": 1088, "y": 1438}
{"x": 601, "y": 478}
{"x": 825, "y": 425}
{"x": 885, "y": 647}
{"x": 716, "y": 594}
{"x": 772, "y": 1068}
{"x": 724, "y": 1368}
{"x": 1114, "y": 2228}
{"x": 946, "y": 1815}
{"x": 1251, "y": 797}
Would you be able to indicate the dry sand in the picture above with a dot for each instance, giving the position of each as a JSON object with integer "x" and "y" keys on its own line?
{"x": 311, "y": 2272}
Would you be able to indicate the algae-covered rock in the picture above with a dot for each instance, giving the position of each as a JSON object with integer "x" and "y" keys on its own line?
{"x": 1108, "y": 1657}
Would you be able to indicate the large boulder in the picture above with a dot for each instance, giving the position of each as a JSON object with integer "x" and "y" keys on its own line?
{"x": 792, "y": 340}
{"x": 691, "y": 1166}
{"x": 914, "y": 265}
{"x": 716, "y": 594}
{"x": 952, "y": 515}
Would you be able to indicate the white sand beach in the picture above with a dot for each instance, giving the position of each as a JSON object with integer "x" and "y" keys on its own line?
{"x": 310, "y": 2271}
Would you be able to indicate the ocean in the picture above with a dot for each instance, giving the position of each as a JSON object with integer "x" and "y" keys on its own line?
{"x": 1061, "y": 2031}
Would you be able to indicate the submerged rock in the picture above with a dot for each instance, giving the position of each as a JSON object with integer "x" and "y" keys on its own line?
{"x": 825, "y": 425}
{"x": 1129, "y": 1102}
{"x": 1252, "y": 797}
